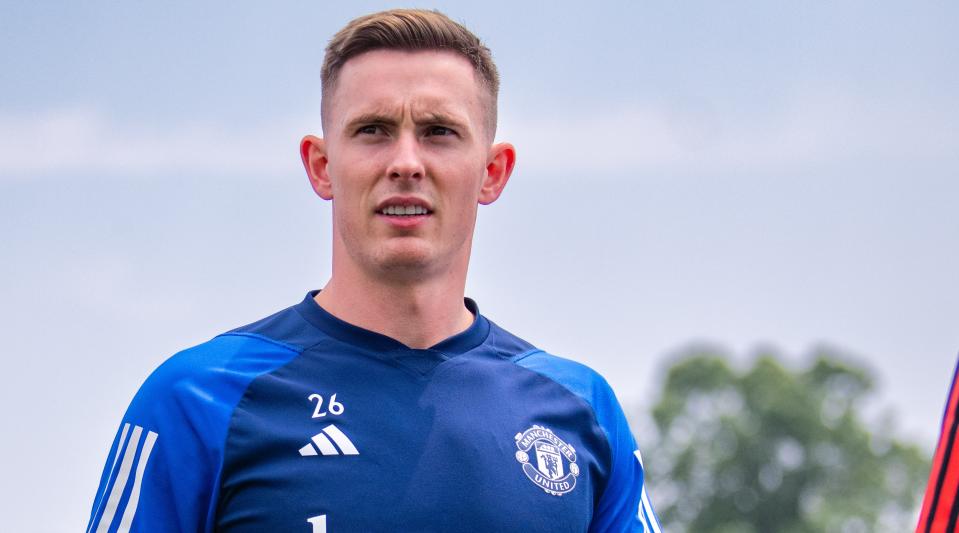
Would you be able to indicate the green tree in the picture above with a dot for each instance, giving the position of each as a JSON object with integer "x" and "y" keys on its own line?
{"x": 767, "y": 450}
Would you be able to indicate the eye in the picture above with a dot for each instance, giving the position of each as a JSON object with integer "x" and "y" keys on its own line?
{"x": 439, "y": 131}
{"x": 370, "y": 129}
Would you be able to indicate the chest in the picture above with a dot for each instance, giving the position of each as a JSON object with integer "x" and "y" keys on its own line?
{"x": 373, "y": 448}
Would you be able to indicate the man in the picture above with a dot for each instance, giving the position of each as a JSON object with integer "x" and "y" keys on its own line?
{"x": 386, "y": 401}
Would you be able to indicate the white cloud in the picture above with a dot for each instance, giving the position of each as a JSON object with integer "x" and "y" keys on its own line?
{"x": 75, "y": 141}
{"x": 815, "y": 126}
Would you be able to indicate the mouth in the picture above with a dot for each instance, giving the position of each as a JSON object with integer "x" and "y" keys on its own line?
{"x": 404, "y": 213}
{"x": 404, "y": 210}
{"x": 404, "y": 207}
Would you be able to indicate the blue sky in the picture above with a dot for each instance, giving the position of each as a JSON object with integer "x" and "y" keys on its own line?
{"x": 778, "y": 174}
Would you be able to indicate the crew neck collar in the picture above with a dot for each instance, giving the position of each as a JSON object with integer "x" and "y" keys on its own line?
{"x": 363, "y": 338}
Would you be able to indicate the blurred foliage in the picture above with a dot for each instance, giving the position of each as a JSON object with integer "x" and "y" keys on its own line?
{"x": 768, "y": 450}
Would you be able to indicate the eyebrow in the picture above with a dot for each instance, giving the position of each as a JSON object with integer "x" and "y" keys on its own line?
{"x": 370, "y": 118}
{"x": 438, "y": 117}
{"x": 428, "y": 117}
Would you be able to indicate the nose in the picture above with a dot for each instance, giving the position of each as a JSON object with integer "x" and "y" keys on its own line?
{"x": 406, "y": 161}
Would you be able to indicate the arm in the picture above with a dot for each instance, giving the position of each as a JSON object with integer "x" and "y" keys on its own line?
{"x": 163, "y": 465}
{"x": 625, "y": 504}
{"x": 163, "y": 470}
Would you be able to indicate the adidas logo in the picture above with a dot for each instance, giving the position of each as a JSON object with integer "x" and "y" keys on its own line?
{"x": 322, "y": 442}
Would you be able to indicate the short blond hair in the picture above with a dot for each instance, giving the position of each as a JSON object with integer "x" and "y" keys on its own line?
{"x": 410, "y": 30}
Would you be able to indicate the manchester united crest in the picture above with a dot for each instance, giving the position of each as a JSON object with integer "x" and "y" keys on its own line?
{"x": 547, "y": 460}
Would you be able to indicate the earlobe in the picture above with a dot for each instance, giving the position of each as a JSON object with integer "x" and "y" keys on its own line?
{"x": 502, "y": 158}
{"x": 313, "y": 154}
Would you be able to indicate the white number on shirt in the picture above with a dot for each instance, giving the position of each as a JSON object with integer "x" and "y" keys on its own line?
{"x": 319, "y": 523}
{"x": 335, "y": 407}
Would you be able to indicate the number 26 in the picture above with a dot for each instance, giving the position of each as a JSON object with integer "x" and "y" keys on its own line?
{"x": 335, "y": 407}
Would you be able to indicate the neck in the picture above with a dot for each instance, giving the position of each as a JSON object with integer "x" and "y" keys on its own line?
{"x": 419, "y": 314}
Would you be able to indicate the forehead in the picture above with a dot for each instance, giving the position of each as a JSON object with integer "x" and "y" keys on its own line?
{"x": 391, "y": 80}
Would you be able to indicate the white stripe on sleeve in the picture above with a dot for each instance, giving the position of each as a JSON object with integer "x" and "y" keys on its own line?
{"x": 653, "y": 524}
{"x": 137, "y": 480}
{"x": 121, "y": 482}
{"x": 116, "y": 456}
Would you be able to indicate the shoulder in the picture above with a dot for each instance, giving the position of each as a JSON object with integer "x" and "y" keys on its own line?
{"x": 199, "y": 387}
{"x": 576, "y": 377}
{"x": 219, "y": 369}
{"x": 214, "y": 368}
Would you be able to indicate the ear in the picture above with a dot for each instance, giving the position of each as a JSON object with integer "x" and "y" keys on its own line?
{"x": 499, "y": 167}
{"x": 313, "y": 154}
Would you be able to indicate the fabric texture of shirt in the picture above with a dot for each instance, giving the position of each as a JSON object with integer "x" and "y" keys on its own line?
{"x": 303, "y": 422}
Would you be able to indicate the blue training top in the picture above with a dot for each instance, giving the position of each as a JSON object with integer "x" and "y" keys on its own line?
{"x": 303, "y": 422}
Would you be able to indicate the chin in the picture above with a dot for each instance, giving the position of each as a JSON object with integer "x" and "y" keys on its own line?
{"x": 410, "y": 262}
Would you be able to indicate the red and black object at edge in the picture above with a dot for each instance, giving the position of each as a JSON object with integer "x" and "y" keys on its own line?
{"x": 940, "y": 508}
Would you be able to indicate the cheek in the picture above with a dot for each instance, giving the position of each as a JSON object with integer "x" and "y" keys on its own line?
{"x": 348, "y": 202}
{"x": 351, "y": 181}
{"x": 467, "y": 204}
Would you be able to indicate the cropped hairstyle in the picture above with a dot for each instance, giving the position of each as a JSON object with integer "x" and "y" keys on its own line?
{"x": 410, "y": 30}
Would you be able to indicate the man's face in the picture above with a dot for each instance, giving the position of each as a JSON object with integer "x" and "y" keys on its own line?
{"x": 407, "y": 159}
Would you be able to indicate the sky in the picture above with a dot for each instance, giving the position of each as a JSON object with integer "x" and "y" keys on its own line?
{"x": 753, "y": 176}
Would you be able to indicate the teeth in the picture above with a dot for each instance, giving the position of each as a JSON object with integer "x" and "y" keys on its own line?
{"x": 402, "y": 210}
